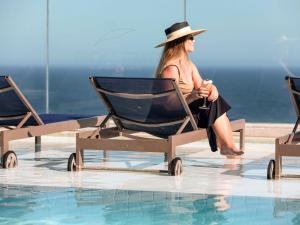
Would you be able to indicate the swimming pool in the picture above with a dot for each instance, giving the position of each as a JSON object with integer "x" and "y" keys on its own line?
{"x": 50, "y": 205}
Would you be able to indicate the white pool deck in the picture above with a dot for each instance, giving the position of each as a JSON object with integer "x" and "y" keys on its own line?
{"x": 204, "y": 172}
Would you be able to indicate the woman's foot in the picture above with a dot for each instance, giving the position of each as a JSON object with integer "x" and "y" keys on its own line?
{"x": 231, "y": 152}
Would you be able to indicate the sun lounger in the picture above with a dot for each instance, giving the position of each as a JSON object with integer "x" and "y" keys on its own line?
{"x": 19, "y": 120}
{"x": 154, "y": 107}
{"x": 287, "y": 145}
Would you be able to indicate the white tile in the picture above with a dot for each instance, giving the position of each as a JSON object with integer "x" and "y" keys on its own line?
{"x": 205, "y": 172}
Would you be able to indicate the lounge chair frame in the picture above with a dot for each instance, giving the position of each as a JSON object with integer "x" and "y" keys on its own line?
{"x": 10, "y": 133}
{"x": 119, "y": 139}
{"x": 287, "y": 145}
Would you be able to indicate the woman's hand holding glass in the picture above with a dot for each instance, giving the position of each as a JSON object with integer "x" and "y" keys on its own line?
{"x": 205, "y": 91}
{"x": 214, "y": 94}
{"x": 202, "y": 92}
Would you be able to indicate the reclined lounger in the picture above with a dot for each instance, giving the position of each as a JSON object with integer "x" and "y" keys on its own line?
{"x": 152, "y": 106}
{"x": 287, "y": 145}
{"x": 19, "y": 120}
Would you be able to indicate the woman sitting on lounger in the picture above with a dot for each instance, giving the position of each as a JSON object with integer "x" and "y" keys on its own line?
{"x": 175, "y": 63}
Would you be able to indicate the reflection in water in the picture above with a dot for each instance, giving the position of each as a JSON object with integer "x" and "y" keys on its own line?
{"x": 283, "y": 207}
{"x": 207, "y": 213}
{"x": 44, "y": 205}
{"x": 234, "y": 164}
{"x": 221, "y": 204}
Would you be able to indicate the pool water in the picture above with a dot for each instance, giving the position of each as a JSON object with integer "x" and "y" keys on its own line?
{"x": 51, "y": 205}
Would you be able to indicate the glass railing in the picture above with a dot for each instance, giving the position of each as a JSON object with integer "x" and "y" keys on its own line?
{"x": 22, "y": 48}
{"x": 246, "y": 51}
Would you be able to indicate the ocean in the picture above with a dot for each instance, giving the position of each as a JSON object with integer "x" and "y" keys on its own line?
{"x": 256, "y": 94}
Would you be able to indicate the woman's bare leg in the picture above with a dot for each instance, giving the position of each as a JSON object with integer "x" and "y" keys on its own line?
{"x": 223, "y": 131}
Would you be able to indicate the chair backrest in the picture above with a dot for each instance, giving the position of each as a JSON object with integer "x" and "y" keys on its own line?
{"x": 294, "y": 90}
{"x": 152, "y": 105}
{"x": 15, "y": 110}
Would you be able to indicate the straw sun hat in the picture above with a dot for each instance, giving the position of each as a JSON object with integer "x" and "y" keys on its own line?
{"x": 178, "y": 30}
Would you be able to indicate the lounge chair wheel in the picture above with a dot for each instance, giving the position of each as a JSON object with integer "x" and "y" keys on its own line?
{"x": 72, "y": 162}
{"x": 10, "y": 160}
{"x": 176, "y": 166}
{"x": 271, "y": 170}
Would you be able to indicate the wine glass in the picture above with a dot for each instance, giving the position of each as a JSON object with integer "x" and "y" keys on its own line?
{"x": 208, "y": 85}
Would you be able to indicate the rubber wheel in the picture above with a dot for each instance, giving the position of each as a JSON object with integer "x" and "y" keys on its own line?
{"x": 72, "y": 162}
{"x": 10, "y": 160}
{"x": 176, "y": 167}
{"x": 271, "y": 170}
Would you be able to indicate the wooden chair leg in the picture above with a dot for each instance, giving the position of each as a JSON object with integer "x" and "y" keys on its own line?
{"x": 242, "y": 139}
{"x": 79, "y": 155}
{"x": 79, "y": 159}
{"x": 105, "y": 155}
{"x": 166, "y": 157}
{"x": 171, "y": 153}
{"x": 37, "y": 141}
{"x": 278, "y": 165}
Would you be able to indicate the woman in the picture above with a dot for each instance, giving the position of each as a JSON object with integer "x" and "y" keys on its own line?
{"x": 175, "y": 63}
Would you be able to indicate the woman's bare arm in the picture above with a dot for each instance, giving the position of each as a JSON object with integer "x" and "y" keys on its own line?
{"x": 197, "y": 79}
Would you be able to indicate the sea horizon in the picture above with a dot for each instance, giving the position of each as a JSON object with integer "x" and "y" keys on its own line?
{"x": 257, "y": 94}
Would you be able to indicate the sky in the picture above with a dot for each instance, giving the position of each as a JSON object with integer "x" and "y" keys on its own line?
{"x": 118, "y": 33}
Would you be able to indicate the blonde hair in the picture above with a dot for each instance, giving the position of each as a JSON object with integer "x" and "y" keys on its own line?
{"x": 171, "y": 50}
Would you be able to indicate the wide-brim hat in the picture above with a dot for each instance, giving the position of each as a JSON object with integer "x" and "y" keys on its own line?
{"x": 178, "y": 30}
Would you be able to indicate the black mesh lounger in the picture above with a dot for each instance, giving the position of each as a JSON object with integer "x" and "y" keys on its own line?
{"x": 149, "y": 105}
{"x": 19, "y": 120}
{"x": 287, "y": 145}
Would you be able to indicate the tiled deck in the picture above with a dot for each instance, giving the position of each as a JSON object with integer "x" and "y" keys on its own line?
{"x": 204, "y": 172}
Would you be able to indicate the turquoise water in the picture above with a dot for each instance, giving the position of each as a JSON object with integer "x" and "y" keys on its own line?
{"x": 49, "y": 205}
